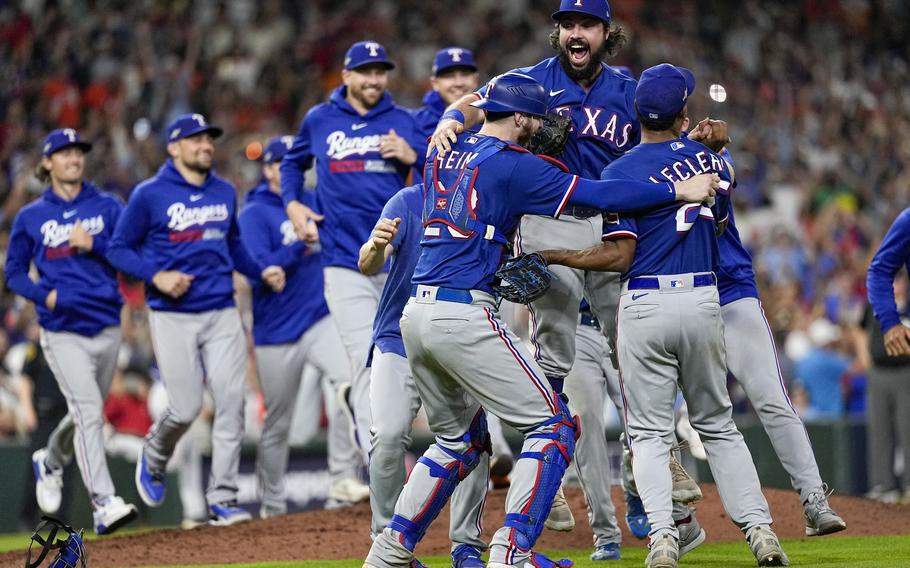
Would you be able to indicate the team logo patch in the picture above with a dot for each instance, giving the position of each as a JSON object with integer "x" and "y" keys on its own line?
{"x": 471, "y": 140}
{"x": 677, "y": 284}
{"x": 677, "y": 146}
{"x": 613, "y": 218}
{"x": 441, "y": 203}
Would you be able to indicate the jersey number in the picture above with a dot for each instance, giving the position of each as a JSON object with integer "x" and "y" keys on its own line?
{"x": 687, "y": 214}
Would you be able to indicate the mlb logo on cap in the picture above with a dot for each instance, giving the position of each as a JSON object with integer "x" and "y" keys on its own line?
{"x": 63, "y": 138}
{"x": 187, "y": 125}
{"x": 596, "y": 8}
{"x": 663, "y": 91}
{"x": 452, "y": 57}
{"x": 277, "y": 148}
{"x": 366, "y": 53}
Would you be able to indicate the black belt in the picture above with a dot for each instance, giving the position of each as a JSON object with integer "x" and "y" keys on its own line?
{"x": 589, "y": 320}
{"x": 581, "y": 212}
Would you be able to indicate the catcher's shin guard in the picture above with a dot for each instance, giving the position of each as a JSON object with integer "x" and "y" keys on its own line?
{"x": 448, "y": 476}
{"x": 561, "y": 432}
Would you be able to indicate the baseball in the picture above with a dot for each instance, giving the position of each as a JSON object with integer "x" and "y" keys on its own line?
{"x": 717, "y": 93}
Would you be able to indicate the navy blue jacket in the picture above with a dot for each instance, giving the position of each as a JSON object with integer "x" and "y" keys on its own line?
{"x": 269, "y": 236}
{"x": 171, "y": 224}
{"x": 87, "y": 296}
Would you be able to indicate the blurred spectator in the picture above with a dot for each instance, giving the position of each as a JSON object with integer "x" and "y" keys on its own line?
{"x": 821, "y": 369}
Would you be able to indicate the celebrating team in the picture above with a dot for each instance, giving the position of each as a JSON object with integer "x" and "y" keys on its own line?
{"x": 670, "y": 284}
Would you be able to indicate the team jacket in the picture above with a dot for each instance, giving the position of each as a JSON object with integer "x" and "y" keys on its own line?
{"x": 269, "y": 236}
{"x": 892, "y": 255}
{"x": 675, "y": 238}
{"x": 354, "y": 181}
{"x": 604, "y": 122}
{"x": 87, "y": 296}
{"x": 171, "y": 224}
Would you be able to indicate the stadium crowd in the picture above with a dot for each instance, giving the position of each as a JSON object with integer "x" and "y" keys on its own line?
{"x": 814, "y": 94}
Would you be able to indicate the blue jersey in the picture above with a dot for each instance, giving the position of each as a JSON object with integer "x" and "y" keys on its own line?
{"x": 427, "y": 117}
{"x": 407, "y": 204}
{"x": 604, "y": 122}
{"x": 354, "y": 181}
{"x": 677, "y": 238}
{"x": 171, "y": 224}
{"x": 88, "y": 299}
{"x": 488, "y": 185}
{"x": 735, "y": 277}
{"x": 270, "y": 237}
{"x": 892, "y": 255}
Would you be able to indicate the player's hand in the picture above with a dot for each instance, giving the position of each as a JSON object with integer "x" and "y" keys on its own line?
{"x": 394, "y": 147}
{"x": 712, "y": 133}
{"x": 80, "y": 239}
{"x": 51, "y": 301}
{"x": 172, "y": 283}
{"x": 444, "y": 136}
{"x": 897, "y": 341}
{"x": 304, "y": 220}
{"x": 384, "y": 231}
{"x": 274, "y": 276}
{"x": 697, "y": 189}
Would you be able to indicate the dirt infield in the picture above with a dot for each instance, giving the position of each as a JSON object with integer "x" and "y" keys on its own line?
{"x": 344, "y": 533}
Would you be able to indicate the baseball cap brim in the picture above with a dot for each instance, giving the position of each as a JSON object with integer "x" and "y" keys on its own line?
{"x": 212, "y": 131}
{"x": 559, "y": 14}
{"x": 384, "y": 62}
{"x": 471, "y": 68}
{"x": 495, "y": 106}
{"x": 82, "y": 145}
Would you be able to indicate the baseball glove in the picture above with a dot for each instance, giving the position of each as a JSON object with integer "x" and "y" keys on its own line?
{"x": 524, "y": 278}
{"x": 552, "y": 136}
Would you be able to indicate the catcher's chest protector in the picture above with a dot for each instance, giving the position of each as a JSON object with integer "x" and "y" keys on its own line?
{"x": 450, "y": 199}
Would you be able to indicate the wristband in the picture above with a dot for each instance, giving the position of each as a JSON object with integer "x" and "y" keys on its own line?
{"x": 454, "y": 114}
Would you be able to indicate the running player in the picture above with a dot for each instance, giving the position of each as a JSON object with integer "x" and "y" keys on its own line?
{"x": 65, "y": 232}
{"x": 179, "y": 235}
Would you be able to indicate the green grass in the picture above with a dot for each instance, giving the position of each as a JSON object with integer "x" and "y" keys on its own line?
{"x": 838, "y": 552}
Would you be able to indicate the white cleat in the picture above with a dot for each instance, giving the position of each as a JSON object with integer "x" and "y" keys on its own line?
{"x": 560, "y": 518}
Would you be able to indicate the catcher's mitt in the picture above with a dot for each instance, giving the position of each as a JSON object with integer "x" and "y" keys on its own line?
{"x": 552, "y": 136}
{"x": 524, "y": 278}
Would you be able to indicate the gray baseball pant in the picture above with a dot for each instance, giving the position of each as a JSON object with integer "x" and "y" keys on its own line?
{"x": 353, "y": 299}
{"x": 554, "y": 316}
{"x": 674, "y": 336}
{"x": 586, "y": 387}
{"x": 395, "y": 403}
{"x": 752, "y": 359}
{"x": 192, "y": 350}
{"x": 462, "y": 356}
{"x": 888, "y": 425}
{"x": 280, "y": 370}
{"x": 84, "y": 368}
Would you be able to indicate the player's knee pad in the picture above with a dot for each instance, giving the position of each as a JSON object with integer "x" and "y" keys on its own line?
{"x": 560, "y": 432}
{"x": 478, "y": 439}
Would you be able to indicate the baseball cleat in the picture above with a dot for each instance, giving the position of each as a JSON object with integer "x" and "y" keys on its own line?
{"x": 537, "y": 560}
{"x": 685, "y": 489}
{"x": 111, "y": 514}
{"x": 467, "y": 556}
{"x": 766, "y": 547}
{"x": 608, "y": 551}
{"x": 48, "y": 483}
{"x": 227, "y": 514}
{"x": 349, "y": 491}
{"x": 664, "y": 552}
{"x": 691, "y": 535}
{"x": 149, "y": 484}
{"x": 820, "y": 518}
{"x": 560, "y": 518}
{"x": 636, "y": 518}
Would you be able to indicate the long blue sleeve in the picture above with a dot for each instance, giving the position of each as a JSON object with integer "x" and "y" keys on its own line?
{"x": 18, "y": 262}
{"x": 297, "y": 161}
{"x": 243, "y": 262}
{"x": 255, "y": 235}
{"x": 101, "y": 243}
{"x": 621, "y": 196}
{"x": 893, "y": 253}
{"x": 128, "y": 235}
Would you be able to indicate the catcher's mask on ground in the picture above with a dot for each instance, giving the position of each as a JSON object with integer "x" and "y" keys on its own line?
{"x": 69, "y": 544}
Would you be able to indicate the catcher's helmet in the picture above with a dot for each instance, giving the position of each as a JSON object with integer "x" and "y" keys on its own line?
{"x": 514, "y": 92}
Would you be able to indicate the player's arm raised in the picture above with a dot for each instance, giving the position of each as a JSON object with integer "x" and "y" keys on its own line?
{"x": 376, "y": 251}
{"x": 458, "y": 117}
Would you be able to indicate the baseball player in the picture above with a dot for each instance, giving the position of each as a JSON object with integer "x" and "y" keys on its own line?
{"x": 65, "y": 233}
{"x": 290, "y": 328}
{"x": 363, "y": 145}
{"x": 460, "y": 353}
{"x": 671, "y": 327}
{"x": 178, "y": 234}
{"x": 394, "y": 400}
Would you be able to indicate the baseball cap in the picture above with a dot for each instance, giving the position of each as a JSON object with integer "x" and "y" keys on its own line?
{"x": 277, "y": 148}
{"x": 514, "y": 92}
{"x": 63, "y": 138}
{"x": 597, "y": 8}
{"x": 450, "y": 57}
{"x": 663, "y": 91}
{"x": 365, "y": 53}
{"x": 190, "y": 124}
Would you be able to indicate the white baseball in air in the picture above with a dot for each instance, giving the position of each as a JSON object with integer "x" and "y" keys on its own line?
{"x": 717, "y": 93}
